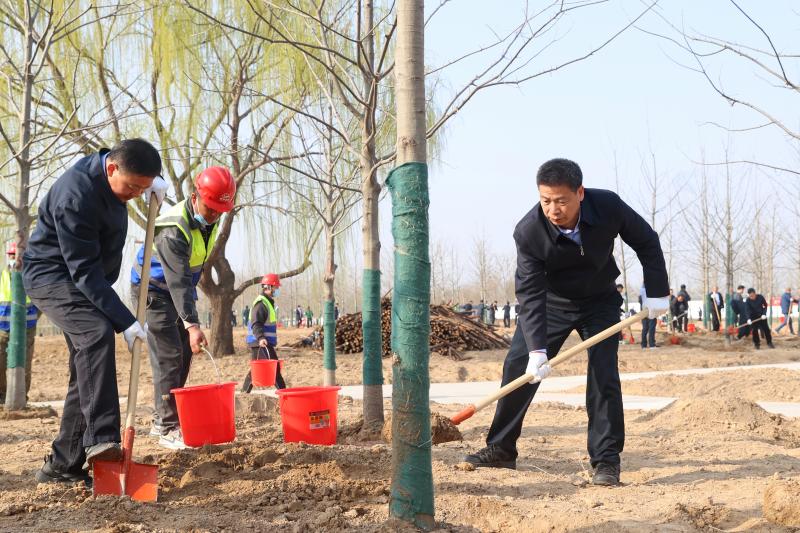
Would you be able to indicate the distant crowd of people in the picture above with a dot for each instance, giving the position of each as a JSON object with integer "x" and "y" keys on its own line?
{"x": 749, "y": 311}
{"x": 487, "y": 313}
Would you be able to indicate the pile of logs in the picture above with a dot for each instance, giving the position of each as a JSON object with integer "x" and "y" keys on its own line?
{"x": 451, "y": 333}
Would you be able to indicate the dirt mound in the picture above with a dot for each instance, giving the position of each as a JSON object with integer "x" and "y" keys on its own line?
{"x": 442, "y": 429}
{"x": 257, "y": 406}
{"x": 30, "y": 412}
{"x": 723, "y": 415}
{"x": 705, "y": 516}
{"x": 782, "y": 502}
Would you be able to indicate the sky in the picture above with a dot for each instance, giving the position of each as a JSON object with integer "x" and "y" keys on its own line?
{"x": 631, "y": 98}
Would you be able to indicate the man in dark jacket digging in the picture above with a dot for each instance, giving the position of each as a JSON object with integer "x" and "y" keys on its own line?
{"x": 72, "y": 261}
{"x": 564, "y": 282}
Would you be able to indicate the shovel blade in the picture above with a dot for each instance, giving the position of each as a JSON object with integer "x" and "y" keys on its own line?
{"x": 141, "y": 484}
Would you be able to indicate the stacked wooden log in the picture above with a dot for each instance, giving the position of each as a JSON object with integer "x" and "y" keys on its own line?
{"x": 451, "y": 333}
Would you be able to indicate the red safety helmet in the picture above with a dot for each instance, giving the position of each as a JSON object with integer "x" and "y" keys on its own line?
{"x": 11, "y": 248}
{"x": 271, "y": 279}
{"x": 216, "y": 188}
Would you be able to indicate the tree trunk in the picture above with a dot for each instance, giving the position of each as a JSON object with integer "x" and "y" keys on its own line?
{"x": 372, "y": 369}
{"x": 412, "y": 476}
{"x": 328, "y": 315}
{"x": 221, "y": 296}
{"x": 15, "y": 364}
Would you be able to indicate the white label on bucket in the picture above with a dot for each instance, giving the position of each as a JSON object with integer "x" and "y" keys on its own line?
{"x": 319, "y": 419}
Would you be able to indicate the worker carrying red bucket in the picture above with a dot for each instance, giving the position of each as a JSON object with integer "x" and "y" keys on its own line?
{"x": 185, "y": 236}
{"x": 262, "y": 336}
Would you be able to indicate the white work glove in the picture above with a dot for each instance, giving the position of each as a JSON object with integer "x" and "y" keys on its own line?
{"x": 656, "y": 306}
{"x": 749, "y": 321}
{"x": 538, "y": 366}
{"x": 134, "y": 331}
{"x": 159, "y": 187}
{"x": 763, "y": 317}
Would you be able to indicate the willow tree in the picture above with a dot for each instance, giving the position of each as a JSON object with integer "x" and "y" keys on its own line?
{"x": 33, "y": 139}
{"x": 210, "y": 102}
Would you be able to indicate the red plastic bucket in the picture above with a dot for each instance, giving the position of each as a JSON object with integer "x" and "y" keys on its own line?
{"x": 206, "y": 413}
{"x": 309, "y": 414}
{"x": 262, "y": 371}
{"x": 690, "y": 328}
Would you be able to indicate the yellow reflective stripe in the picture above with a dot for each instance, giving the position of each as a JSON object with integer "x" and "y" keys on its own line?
{"x": 5, "y": 286}
{"x": 263, "y": 299}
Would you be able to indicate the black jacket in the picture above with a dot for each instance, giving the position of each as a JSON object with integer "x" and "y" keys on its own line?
{"x": 755, "y": 308}
{"x": 554, "y": 271}
{"x": 79, "y": 237}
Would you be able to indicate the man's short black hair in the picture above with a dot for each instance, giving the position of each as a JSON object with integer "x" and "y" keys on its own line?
{"x": 136, "y": 156}
{"x": 620, "y": 286}
{"x": 751, "y": 290}
{"x": 560, "y": 172}
{"x": 683, "y": 286}
{"x": 740, "y": 287}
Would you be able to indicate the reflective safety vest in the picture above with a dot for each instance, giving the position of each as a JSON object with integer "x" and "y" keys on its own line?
{"x": 31, "y": 313}
{"x": 270, "y": 326}
{"x": 177, "y": 215}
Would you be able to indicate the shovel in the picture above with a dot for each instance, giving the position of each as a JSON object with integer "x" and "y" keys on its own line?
{"x": 126, "y": 477}
{"x": 560, "y": 358}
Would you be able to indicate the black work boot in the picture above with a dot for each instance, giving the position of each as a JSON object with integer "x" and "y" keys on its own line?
{"x": 493, "y": 456}
{"x": 606, "y": 474}
{"x": 49, "y": 473}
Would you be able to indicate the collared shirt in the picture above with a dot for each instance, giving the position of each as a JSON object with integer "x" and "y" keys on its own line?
{"x": 573, "y": 234}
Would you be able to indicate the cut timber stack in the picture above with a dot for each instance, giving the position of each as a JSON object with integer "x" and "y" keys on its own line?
{"x": 451, "y": 333}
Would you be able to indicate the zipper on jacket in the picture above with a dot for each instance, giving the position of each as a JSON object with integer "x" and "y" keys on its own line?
{"x": 581, "y": 246}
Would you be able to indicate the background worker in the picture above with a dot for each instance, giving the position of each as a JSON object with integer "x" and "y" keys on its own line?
{"x": 715, "y": 304}
{"x": 31, "y": 316}
{"x": 786, "y": 310}
{"x": 565, "y": 281}
{"x": 756, "y": 306}
{"x": 648, "y": 327}
{"x": 740, "y": 309}
{"x": 680, "y": 313}
{"x": 185, "y": 236}
{"x": 262, "y": 333}
{"x": 73, "y": 258}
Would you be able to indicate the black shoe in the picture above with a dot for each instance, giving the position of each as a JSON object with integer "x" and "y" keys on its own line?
{"x": 757, "y": 346}
{"x": 493, "y": 456}
{"x": 50, "y": 474}
{"x": 606, "y": 474}
{"x": 103, "y": 451}
{"x": 771, "y": 345}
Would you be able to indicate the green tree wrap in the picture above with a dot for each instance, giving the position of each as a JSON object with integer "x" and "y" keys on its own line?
{"x": 372, "y": 368}
{"x": 412, "y": 480}
{"x": 329, "y": 328}
{"x": 16, "y": 341}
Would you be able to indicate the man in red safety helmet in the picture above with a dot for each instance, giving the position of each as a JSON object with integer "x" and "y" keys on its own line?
{"x": 262, "y": 332}
{"x": 185, "y": 236}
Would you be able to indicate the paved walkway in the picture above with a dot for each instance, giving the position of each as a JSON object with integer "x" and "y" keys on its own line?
{"x": 552, "y": 390}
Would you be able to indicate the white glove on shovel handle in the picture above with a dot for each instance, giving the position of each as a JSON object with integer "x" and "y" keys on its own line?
{"x": 537, "y": 366}
{"x": 657, "y": 306}
{"x": 133, "y": 332}
{"x": 525, "y": 379}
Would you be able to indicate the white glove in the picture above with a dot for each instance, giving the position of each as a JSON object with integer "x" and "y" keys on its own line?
{"x": 763, "y": 317}
{"x": 133, "y": 332}
{"x": 159, "y": 187}
{"x": 656, "y": 306}
{"x": 749, "y": 321}
{"x": 537, "y": 365}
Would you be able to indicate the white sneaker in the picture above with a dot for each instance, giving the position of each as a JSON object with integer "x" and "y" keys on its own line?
{"x": 156, "y": 430}
{"x": 173, "y": 440}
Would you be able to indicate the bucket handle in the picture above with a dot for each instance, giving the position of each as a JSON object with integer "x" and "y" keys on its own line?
{"x": 216, "y": 369}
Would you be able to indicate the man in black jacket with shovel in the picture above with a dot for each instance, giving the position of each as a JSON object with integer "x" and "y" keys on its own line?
{"x": 565, "y": 281}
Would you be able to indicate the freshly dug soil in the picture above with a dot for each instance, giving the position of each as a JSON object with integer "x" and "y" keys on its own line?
{"x": 782, "y": 502}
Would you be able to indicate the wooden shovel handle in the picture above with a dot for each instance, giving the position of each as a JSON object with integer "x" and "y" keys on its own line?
{"x": 141, "y": 310}
{"x": 557, "y": 360}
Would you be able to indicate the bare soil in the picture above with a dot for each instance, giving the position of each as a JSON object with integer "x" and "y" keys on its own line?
{"x": 709, "y": 462}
